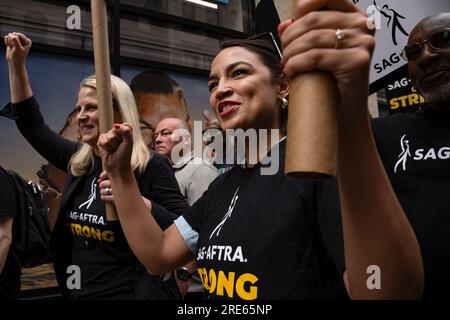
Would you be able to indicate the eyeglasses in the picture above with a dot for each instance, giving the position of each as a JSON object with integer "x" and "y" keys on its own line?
{"x": 436, "y": 41}
{"x": 269, "y": 36}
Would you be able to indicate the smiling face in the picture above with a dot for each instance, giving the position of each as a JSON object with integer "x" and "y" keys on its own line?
{"x": 430, "y": 72}
{"x": 87, "y": 116}
{"x": 243, "y": 92}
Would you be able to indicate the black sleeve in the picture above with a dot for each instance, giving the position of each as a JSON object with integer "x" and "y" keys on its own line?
{"x": 56, "y": 149}
{"x": 329, "y": 222}
{"x": 7, "y": 195}
{"x": 161, "y": 188}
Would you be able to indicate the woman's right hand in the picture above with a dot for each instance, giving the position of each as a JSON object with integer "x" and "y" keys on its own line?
{"x": 115, "y": 147}
{"x": 17, "y": 48}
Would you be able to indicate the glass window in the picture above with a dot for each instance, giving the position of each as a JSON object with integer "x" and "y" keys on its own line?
{"x": 232, "y": 15}
{"x": 45, "y": 23}
{"x": 144, "y": 39}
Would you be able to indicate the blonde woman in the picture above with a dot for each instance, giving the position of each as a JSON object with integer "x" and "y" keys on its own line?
{"x": 82, "y": 235}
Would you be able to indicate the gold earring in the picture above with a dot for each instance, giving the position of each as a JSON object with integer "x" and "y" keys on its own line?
{"x": 284, "y": 103}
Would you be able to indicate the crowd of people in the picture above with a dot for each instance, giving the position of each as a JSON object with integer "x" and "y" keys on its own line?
{"x": 189, "y": 228}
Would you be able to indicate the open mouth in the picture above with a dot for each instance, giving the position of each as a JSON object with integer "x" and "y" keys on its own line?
{"x": 226, "y": 108}
{"x": 86, "y": 128}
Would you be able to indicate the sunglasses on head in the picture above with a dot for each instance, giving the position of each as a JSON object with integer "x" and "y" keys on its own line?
{"x": 436, "y": 41}
{"x": 268, "y": 36}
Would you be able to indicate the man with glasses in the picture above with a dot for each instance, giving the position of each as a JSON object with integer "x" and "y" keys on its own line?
{"x": 415, "y": 149}
{"x": 173, "y": 140}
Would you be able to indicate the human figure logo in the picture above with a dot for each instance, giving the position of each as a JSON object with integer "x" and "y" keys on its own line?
{"x": 393, "y": 21}
{"x": 226, "y": 216}
{"x": 404, "y": 154}
{"x": 92, "y": 197}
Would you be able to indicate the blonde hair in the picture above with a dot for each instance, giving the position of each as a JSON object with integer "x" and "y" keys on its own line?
{"x": 82, "y": 162}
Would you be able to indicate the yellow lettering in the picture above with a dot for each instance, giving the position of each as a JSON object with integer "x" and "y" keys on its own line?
{"x": 403, "y": 100}
{"x": 90, "y": 232}
{"x": 86, "y": 231}
{"x": 78, "y": 230}
{"x": 394, "y": 103}
{"x": 203, "y": 277}
{"x": 212, "y": 280}
{"x": 413, "y": 99}
{"x": 96, "y": 234}
{"x": 225, "y": 283}
{"x": 108, "y": 236}
{"x": 252, "y": 293}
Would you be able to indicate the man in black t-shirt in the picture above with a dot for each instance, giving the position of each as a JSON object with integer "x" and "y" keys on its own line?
{"x": 415, "y": 149}
{"x": 10, "y": 269}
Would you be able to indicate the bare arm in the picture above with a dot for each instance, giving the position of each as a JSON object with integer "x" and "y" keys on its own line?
{"x": 5, "y": 239}
{"x": 17, "y": 50}
{"x": 376, "y": 230}
{"x": 158, "y": 251}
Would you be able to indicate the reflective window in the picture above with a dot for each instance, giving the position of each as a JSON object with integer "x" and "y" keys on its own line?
{"x": 230, "y": 14}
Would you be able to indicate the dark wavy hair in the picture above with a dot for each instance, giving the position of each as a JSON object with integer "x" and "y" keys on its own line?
{"x": 268, "y": 54}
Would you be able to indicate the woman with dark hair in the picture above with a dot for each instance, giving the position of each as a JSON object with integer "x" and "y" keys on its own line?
{"x": 260, "y": 236}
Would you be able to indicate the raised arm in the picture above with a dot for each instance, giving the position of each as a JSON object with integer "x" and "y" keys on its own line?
{"x": 25, "y": 110}
{"x": 158, "y": 251}
{"x": 376, "y": 230}
{"x": 17, "y": 48}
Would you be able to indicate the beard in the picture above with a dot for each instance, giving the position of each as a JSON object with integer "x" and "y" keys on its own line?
{"x": 438, "y": 96}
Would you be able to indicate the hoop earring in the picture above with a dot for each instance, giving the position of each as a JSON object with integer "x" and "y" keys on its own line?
{"x": 284, "y": 103}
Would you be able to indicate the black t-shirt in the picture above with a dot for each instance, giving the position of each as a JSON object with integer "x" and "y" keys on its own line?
{"x": 12, "y": 270}
{"x": 98, "y": 246}
{"x": 269, "y": 236}
{"x": 415, "y": 150}
{"x": 156, "y": 183}
{"x": 109, "y": 269}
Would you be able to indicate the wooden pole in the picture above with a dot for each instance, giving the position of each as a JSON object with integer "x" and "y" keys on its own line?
{"x": 103, "y": 76}
{"x": 311, "y": 150}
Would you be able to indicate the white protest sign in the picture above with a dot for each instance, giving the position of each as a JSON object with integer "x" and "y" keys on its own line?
{"x": 395, "y": 19}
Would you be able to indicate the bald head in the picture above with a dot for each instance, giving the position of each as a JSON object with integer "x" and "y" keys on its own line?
{"x": 169, "y": 132}
{"x": 430, "y": 72}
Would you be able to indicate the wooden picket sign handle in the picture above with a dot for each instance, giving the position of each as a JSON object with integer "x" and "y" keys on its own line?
{"x": 311, "y": 150}
{"x": 103, "y": 76}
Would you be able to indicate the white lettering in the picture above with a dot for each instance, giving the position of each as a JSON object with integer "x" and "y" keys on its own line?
{"x": 74, "y": 280}
{"x": 374, "y": 281}
{"x": 73, "y": 22}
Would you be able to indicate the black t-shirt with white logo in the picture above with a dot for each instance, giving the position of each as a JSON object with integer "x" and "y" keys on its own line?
{"x": 109, "y": 269}
{"x": 269, "y": 236}
{"x": 415, "y": 149}
{"x": 99, "y": 246}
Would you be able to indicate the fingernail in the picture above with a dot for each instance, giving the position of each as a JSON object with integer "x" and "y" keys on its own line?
{"x": 116, "y": 125}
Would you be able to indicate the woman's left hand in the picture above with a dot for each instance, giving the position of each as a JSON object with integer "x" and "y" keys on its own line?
{"x": 310, "y": 43}
{"x": 106, "y": 191}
